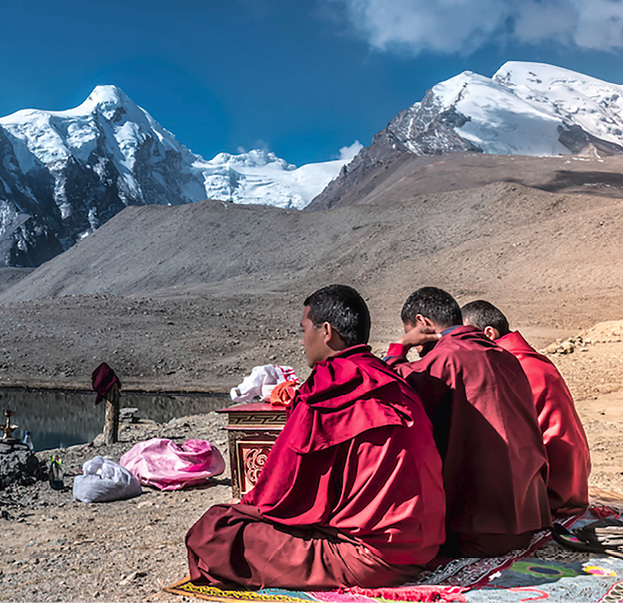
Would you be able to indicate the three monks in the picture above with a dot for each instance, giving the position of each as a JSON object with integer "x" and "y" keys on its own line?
{"x": 380, "y": 463}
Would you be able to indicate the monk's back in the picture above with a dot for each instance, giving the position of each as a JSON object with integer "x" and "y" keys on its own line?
{"x": 481, "y": 406}
{"x": 357, "y": 455}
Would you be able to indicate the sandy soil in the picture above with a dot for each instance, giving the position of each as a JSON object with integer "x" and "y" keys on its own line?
{"x": 56, "y": 549}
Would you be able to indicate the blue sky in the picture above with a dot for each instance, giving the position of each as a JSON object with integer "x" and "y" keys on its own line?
{"x": 301, "y": 78}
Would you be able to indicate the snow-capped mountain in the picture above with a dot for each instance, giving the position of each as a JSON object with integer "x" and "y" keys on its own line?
{"x": 524, "y": 109}
{"x": 64, "y": 173}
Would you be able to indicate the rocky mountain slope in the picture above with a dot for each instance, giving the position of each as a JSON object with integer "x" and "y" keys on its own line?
{"x": 190, "y": 295}
{"x": 406, "y": 175}
{"x": 65, "y": 173}
{"x": 524, "y": 109}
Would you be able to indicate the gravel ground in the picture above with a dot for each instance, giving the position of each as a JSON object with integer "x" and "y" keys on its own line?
{"x": 57, "y": 549}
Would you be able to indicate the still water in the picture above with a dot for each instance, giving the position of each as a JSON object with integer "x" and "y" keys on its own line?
{"x": 57, "y": 419}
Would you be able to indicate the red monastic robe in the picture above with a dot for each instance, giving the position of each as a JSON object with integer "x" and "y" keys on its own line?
{"x": 355, "y": 472}
{"x": 494, "y": 462}
{"x": 563, "y": 434}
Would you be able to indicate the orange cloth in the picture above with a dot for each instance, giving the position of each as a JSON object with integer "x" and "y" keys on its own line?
{"x": 283, "y": 393}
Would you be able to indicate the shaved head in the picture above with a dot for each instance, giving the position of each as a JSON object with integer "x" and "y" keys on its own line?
{"x": 482, "y": 314}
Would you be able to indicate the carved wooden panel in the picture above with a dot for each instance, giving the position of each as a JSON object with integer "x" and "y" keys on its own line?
{"x": 253, "y": 429}
{"x": 248, "y": 451}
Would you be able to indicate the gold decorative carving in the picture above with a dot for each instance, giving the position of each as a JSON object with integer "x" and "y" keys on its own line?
{"x": 257, "y": 419}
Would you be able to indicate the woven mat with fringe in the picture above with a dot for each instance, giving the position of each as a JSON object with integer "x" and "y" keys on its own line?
{"x": 542, "y": 571}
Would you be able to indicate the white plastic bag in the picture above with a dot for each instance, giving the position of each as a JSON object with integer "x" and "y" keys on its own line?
{"x": 262, "y": 381}
{"x": 103, "y": 480}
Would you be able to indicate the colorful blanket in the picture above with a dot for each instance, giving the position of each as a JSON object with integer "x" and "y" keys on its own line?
{"x": 543, "y": 571}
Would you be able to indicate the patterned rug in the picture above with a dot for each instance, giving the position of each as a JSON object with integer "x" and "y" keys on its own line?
{"x": 542, "y": 571}
{"x": 277, "y": 595}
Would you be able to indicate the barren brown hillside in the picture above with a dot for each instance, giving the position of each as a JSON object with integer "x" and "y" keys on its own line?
{"x": 187, "y": 296}
{"x": 401, "y": 174}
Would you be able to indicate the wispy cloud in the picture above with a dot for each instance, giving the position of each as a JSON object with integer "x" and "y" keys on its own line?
{"x": 348, "y": 153}
{"x": 452, "y": 26}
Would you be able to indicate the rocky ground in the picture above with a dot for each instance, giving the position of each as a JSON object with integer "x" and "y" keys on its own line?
{"x": 56, "y": 549}
{"x": 185, "y": 343}
{"x": 592, "y": 364}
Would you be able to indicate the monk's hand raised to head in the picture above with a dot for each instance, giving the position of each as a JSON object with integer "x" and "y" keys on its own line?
{"x": 419, "y": 335}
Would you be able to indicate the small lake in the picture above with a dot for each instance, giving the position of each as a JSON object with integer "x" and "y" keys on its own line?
{"x": 57, "y": 419}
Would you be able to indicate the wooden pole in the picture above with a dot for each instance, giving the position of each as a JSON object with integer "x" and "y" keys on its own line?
{"x": 111, "y": 425}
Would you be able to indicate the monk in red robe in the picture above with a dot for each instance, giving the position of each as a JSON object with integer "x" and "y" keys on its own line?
{"x": 351, "y": 493}
{"x": 485, "y": 426}
{"x": 561, "y": 428}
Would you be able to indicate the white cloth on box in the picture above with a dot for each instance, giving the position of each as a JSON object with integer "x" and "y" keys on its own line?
{"x": 262, "y": 381}
{"x": 103, "y": 480}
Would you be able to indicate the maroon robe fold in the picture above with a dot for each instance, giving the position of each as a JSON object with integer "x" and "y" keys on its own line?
{"x": 484, "y": 420}
{"x": 563, "y": 434}
{"x": 351, "y": 493}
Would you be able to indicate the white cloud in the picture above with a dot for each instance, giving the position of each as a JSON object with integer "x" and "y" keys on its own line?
{"x": 451, "y": 26}
{"x": 347, "y": 154}
{"x": 417, "y": 25}
{"x": 600, "y": 25}
{"x": 535, "y": 21}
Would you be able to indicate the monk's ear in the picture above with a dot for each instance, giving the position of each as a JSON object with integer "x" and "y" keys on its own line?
{"x": 331, "y": 337}
{"x": 492, "y": 333}
{"x": 327, "y": 331}
{"x": 422, "y": 320}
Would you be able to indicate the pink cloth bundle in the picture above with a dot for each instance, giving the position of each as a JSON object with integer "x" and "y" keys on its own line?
{"x": 162, "y": 463}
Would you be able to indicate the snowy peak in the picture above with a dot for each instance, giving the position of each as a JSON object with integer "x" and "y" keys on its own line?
{"x": 105, "y": 100}
{"x": 524, "y": 109}
{"x": 65, "y": 173}
{"x": 107, "y": 96}
{"x": 594, "y": 105}
{"x": 543, "y": 77}
{"x": 111, "y": 103}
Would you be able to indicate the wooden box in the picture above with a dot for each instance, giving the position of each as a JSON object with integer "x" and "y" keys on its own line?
{"x": 252, "y": 431}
